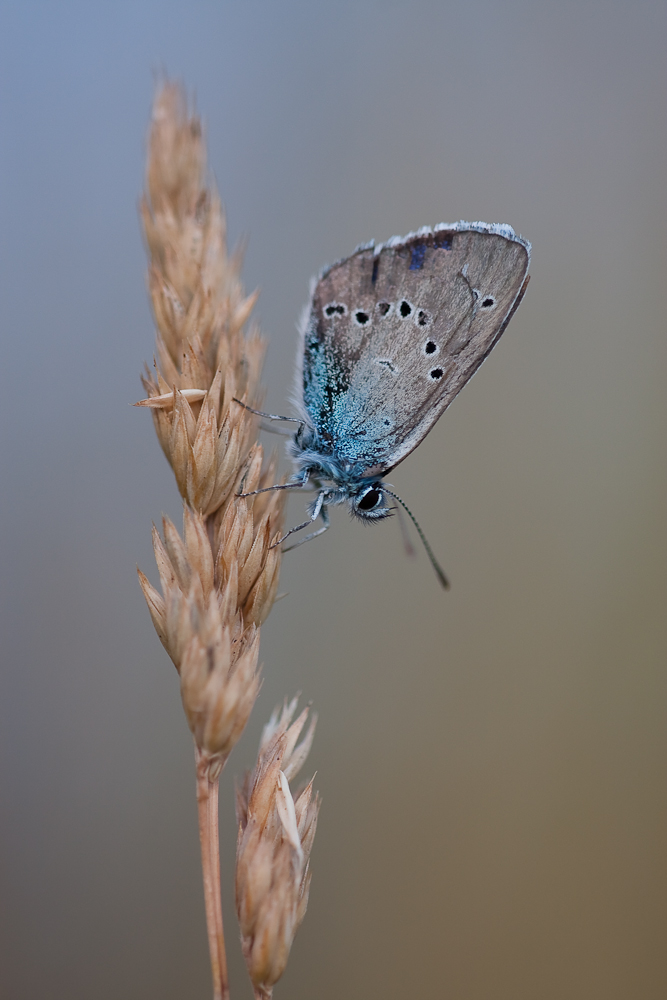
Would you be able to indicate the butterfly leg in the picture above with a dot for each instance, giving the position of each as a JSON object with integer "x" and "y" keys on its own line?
{"x": 407, "y": 544}
{"x": 278, "y": 486}
{"x": 275, "y": 430}
{"x": 320, "y": 531}
{"x": 318, "y": 509}
{"x": 269, "y": 416}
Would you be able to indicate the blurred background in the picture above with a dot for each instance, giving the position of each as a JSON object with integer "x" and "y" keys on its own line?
{"x": 493, "y": 760}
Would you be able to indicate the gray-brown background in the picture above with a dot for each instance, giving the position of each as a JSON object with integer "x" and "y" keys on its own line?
{"x": 492, "y": 760}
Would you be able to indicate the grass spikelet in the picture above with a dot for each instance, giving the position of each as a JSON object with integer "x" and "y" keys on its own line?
{"x": 276, "y": 833}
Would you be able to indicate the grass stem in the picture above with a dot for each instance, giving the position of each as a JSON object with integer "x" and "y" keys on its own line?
{"x": 207, "y": 806}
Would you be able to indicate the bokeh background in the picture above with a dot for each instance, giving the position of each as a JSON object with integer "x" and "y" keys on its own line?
{"x": 493, "y": 761}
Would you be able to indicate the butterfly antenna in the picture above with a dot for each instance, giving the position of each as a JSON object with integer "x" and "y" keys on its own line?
{"x": 429, "y": 551}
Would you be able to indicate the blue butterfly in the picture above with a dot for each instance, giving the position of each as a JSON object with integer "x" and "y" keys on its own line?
{"x": 391, "y": 336}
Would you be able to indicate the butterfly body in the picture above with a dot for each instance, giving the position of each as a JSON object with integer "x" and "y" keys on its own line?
{"x": 391, "y": 336}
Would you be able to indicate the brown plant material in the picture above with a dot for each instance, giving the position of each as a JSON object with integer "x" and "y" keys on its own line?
{"x": 207, "y": 808}
{"x": 276, "y": 832}
{"x": 219, "y": 578}
{"x": 204, "y": 360}
{"x": 208, "y": 615}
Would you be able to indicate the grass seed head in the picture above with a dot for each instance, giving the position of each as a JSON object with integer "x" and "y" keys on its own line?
{"x": 219, "y": 579}
{"x": 276, "y": 832}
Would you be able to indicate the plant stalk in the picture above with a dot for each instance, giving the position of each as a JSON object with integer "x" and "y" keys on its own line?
{"x": 207, "y": 807}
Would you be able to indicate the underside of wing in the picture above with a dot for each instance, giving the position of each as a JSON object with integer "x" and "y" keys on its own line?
{"x": 395, "y": 331}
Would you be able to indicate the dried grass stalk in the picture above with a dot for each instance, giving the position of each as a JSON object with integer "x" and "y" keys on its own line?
{"x": 219, "y": 578}
{"x": 276, "y": 832}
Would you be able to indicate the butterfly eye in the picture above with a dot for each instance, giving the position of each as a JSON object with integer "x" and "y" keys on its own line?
{"x": 405, "y": 308}
{"x": 488, "y": 302}
{"x": 430, "y": 347}
{"x": 437, "y": 374}
{"x": 422, "y": 318}
{"x": 369, "y": 500}
{"x": 361, "y": 317}
{"x": 383, "y": 308}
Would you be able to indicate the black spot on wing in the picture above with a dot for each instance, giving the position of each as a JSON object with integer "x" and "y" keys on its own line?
{"x": 335, "y": 309}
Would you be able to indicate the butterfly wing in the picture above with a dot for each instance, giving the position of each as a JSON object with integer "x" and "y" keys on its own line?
{"x": 395, "y": 332}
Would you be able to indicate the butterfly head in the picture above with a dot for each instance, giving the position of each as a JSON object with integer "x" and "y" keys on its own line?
{"x": 349, "y": 483}
{"x": 366, "y": 501}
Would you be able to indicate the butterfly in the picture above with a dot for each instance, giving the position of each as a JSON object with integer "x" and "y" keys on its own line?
{"x": 391, "y": 336}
